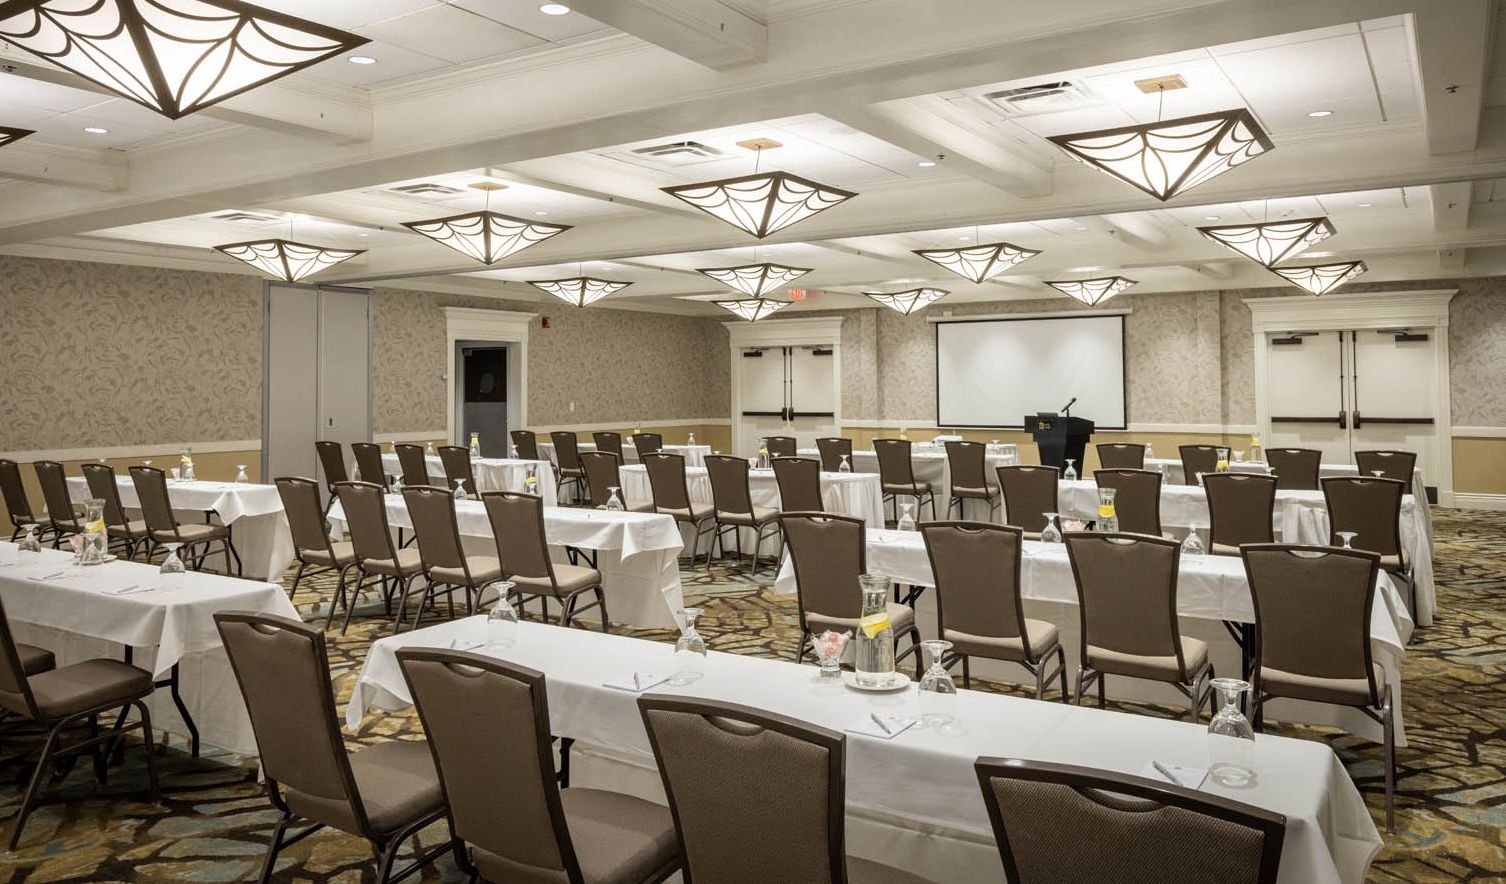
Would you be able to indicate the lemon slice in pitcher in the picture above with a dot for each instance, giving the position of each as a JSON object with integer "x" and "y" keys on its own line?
{"x": 95, "y": 526}
{"x": 874, "y": 624}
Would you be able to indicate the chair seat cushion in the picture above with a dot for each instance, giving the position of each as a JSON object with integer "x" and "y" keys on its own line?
{"x": 641, "y": 507}
{"x": 1392, "y": 564}
{"x": 1343, "y": 691}
{"x": 35, "y": 659}
{"x": 901, "y": 618}
{"x": 484, "y": 570}
{"x": 397, "y": 782}
{"x": 571, "y": 472}
{"x": 132, "y": 530}
{"x": 696, "y": 513}
{"x": 983, "y": 493}
{"x": 1159, "y": 668}
{"x": 1225, "y": 549}
{"x": 407, "y": 563}
{"x": 916, "y": 488}
{"x": 189, "y": 532}
{"x": 619, "y": 839}
{"x": 761, "y": 515}
{"x": 344, "y": 554}
{"x": 570, "y": 578}
{"x": 1044, "y": 637}
{"x": 63, "y": 692}
{"x": 866, "y": 871}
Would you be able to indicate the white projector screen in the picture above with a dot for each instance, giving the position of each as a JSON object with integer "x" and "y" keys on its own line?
{"x": 993, "y": 372}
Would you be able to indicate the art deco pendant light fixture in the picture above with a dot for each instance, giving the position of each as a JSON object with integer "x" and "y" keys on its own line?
{"x": 980, "y": 262}
{"x": 910, "y": 300}
{"x": 486, "y": 236}
{"x": 756, "y": 280}
{"x": 1271, "y": 242}
{"x": 11, "y": 136}
{"x": 1168, "y": 157}
{"x": 753, "y": 309}
{"x": 1320, "y": 279}
{"x": 1092, "y": 291}
{"x": 579, "y": 291}
{"x": 173, "y": 56}
{"x": 760, "y": 203}
{"x": 287, "y": 260}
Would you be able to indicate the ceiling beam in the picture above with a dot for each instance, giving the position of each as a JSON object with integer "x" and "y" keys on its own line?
{"x": 1450, "y": 204}
{"x": 708, "y": 32}
{"x": 1452, "y": 259}
{"x": 39, "y": 162}
{"x": 1453, "y": 58}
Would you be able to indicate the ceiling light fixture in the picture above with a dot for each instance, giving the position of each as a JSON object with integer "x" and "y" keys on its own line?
{"x": 579, "y": 291}
{"x": 96, "y": 130}
{"x": 1092, "y": 291}
{"x": 1168, "y": 157}
{"x": 753, "y": 309}
{"x": 1320, "y": 279}
{"x": 554, "y": 9}
{"x": 1272, "y": 242}
{"x": 1365, "y": 205}
{"x": 980, "y": 262}
{"x": 909, "y": 301}
{"x": 756, "y": 280}
{"x": 926, "y": 164}
{"x": 361, "y": 59}
{"x": 486, "y": 236}
{"x": 287, "y": 260}
{"x": 11, "y": 136}
{"x": 173, "y": 56}
{"x": 1320, "y": 113}
{"x": 760, "y": 203}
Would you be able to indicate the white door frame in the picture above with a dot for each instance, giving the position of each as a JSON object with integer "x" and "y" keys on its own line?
{"x": 1421, "y": 310}
{"x": 783, "y": 333}
{"x": 509, "y": 327}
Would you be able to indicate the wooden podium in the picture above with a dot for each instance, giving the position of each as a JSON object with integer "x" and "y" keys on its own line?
{"x": 1060, "y": 437}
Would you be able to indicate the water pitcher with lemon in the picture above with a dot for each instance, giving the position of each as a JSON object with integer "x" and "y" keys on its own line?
{"x": 874, "y": 663}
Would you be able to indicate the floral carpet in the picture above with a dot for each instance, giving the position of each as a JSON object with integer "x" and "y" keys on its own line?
{"x": 213, "y": 822}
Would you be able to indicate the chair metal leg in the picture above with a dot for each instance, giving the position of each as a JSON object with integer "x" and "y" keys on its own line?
{"x": 146, "y": 736}
{"x": 967, "y": 675}
{"x": 272, "y": 849}
{"x": 805, "y": 636}
{"x": 1102, "y": 689}
{"x": 1082, "y": 675}
{"x": 29, "y": 800}
{"x": 1062, "y": 659}
{"x": 1388, "y": 731}
{"x": 297, "y": 576}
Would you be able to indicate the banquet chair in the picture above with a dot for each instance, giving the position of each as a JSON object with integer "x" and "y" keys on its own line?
{"x": 671, "y": 490}
{"x": 1028, "y": 492}
{"x": 33, "y": 660}
{"x": 385, "y": 792}
{"x": 1391, "y": 464}
{"x": 1137, "y": 499}
{"x": 831, "y": 450}
{"x": 163, "y": 526}
{"x": 1312, "y": 636}
{"x": 568, "y": 470}
{"x": 1121, "y": 456}
{"x": 897, "y": 476}
{"x": 525, "y": 445}
{"x": 710, "y": 753}
{"x": 829, "y": 553}
{"x": 1241, "y": 509}
{"x": 1371, "y": 508}
{"x": 447, "y": 567}
{"x": 487, "y": 723}
{"x": 101, "y": 480}
{"x": 1295, "y": 469}
{"x": 312, "y": 545}
{"x": 17, "y": 505}
{"x": 456, "y": 461}
{"x": 647, "y": 443}
{"x": 1063, "y": 824}
{"x": 517, "y": 522}
{"x": 62, "y": 518}
{"x": 979, "y": 610}
{"x": 799, "y": 481}
{"x": 332, "y": 460}
{"x": 602, "y": 475}
{"x": 733, "y": 504}
{"x": 968, "y": 464}
{"x": 1127, "y": 602}
{"x": 412, "y": 463}
{"x": 608, "y": 442}
{"x": 1196, "y": 460}
{"x": 60, "y": 699}
{"x": 378, "y": 560}
{"x": 369, "y": 466}
{"x": 782, "y": 446}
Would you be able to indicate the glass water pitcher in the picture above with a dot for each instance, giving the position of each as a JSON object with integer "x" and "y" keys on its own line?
{"x": 875, "y": 652}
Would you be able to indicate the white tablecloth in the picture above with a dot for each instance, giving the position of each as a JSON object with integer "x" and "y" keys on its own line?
{"x": 924, "y": 777}
{"x": 492, "y": 474}
{"x": 931, "y": 465}
{"x": 637, "y": 553}
{"x": 77, "y": 619}
{"x": 695, "y": 455}
{"x": 259, "y": 527}
{"x": 1210, "y": 588}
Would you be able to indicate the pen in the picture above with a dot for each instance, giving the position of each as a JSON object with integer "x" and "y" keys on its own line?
{"x": 1161, "y": 769}
{"x": 883, "y": 725}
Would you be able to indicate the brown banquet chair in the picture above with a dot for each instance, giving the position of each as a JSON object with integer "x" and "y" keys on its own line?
{"x": 1121, "y": 456}
{"x": 1137, "y": 499}
{"x": 1371, "y": 508}
{"x": 603, "y": 473}
{"x": 733, "y": 503}
{"x": 517, "y": 522}
{"x": 1196, "y": 460}
{"x": 1390, "y": 464}
{"x": 312, "y": 546}
{"x": 17, "y": 504}
{"x": 968, "y": 465}
{"x": 1028, "y": 492}
{"x": 799, "y": 481}
{"x": 378, "y": 560}
{"x": 782, "y": 446}
{"x": 384, "y": 792}
{"x": 332, "y": 460}
{"x": 666, "y": 478}
{"x": 525, "y": 444}
{"x": 1241, "y": 509}
{"x": 163, "y": 526}
{"x": 609, "y": 442}
{"x": 647, "y": 443}
{"x": 412, "y": 463}
{"x": 369, "y": 466}
{"x": 62, "y": 519}
{"x": 567, "y": 468}
{"x": 103, "y": 485}
{"x": 1063, "y": 824}
{"x": 712, "y": 755}
{"x": 1295, "y": 469}
{"x": 456, "y": 460}
{"x": 831, "y": 450}
{"x": 897, "y": 476}
{"x": 447, "y": 567}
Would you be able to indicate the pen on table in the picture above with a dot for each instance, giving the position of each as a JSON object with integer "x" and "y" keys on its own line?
{"x": 1163, "y": 771}
{"x": 883, "y": 725}
{"x": 637, "y": 682}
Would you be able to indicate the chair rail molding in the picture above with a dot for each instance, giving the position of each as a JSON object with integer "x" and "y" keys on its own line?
{"x": 508, "y": 327}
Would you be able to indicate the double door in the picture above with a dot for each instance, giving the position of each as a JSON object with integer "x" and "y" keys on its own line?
{"x": 786, "y": 391}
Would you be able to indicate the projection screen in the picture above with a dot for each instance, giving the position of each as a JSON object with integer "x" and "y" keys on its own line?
{"x": 993, "y": 372}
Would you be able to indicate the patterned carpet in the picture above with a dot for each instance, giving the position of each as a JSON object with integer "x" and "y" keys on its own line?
{"x": 213, "y": 821}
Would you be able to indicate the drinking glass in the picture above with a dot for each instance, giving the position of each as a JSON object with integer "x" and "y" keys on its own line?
{"x": 690, "y": 650}
{"x": 459, "y": 492}
{"x": 29, "y": 542}
{"x": 845, "y": 466}
{"x": 691, "y": 440}
{"x": 1378, "y": 473}
{"x": 396, "y": 485}
{"x": 1239, "y": 457}
{"x": 355, "y": 472}
{"x": 1108, "y": 517}
{"x": 172, "y": 569}
{"x": 1051, "y": 533}
{"x": 240, "y": 475}
{"x": 502, "y": 620}
{"x": 428, "y": 449}
{"x": 1150, "y": 451}
{"x": 1071, "y": 473}
{"x": 1193, "y": 544}
{"x": 906, "y": 517}
{"x": 1231, "y": 740}
{"x": 937, "y": 696}
{"x": 614, "y": 499}
{"x": 829, "y": 646}
{"x": 1347, "y": 537}
{"x": 875, "y": 655}
{"x": 176, "y": 473}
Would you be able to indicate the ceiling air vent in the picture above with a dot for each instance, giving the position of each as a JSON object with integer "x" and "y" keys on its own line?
{"x": 426, "y": 189}
{"x": 678, "y": 152}
{"x": 1039, "y": 98}
{"x": 239, "y": 217}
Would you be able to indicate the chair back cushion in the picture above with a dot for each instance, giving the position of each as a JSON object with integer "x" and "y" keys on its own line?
{"x": 782, "y": 446}
{"x": 1137, "y": 499}
{"x": 300, "y": 500}
{"x": 457, "y": 467}
{"x": 1029, "y": 492}
{"x": 967, "y": 462}
{"x": 831, "y": 450}
{"x": 332, "y": 460}
{"x": 895, "y": 467}
{"x": 102, "y": 484}
{"x": 729, "y": 484}
{"x": 566, "y": 450}
{"x": 1296, "y": 469}
{"x": 647, "y": 443}
{"x": 1121, "y": 456}
{"x": 1369, "y": 507}
{"x": 55, "y": 494}
{"x": 602, "y": 474}
{"x": 976, "y": 566}
{"x": 1241, "y": 507}
{"x": 414, "y": 464}
{"x": 666, "y": 478}
{"x": 610, "y": 443}
{"x": 368, "y": 456}
{"x": 432, "y": 511}
{"x": 799, "y": 480}
{"x": 1126, "y": 589}
{"x": 14, "y": 492}
{"x": 1392, "y": 464}
{"x": 517, "y": 522}
{"x": 1197, "y": 459}
{"x": 829, "y": 555}
{"x": 151, "y": 496}
{"x": 526, "y": 443}
{"x": 365, "y": 509}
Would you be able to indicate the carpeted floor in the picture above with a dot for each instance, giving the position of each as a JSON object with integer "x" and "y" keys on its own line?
{"x": 213, "y": 821}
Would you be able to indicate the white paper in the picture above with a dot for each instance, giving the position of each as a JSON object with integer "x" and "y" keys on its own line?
{"x": 896, "y": 725}
{"x": 1187, "y": 777}
{"x": 637, "y": 682}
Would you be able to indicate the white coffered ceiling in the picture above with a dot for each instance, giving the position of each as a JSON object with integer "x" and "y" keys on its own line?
{"x": 1389, "y": 116}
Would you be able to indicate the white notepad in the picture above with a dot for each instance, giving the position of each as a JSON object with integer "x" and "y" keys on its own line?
{"x": 881, "y": 725}
{"x": 637, "y": 682}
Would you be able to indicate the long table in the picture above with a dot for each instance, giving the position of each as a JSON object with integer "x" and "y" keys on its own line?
{"x": 168, "y": 632}
{"x": 492, "y": 474}
{"x": 1212, "y": 589}
{"x": 932, "y": 465}
{"x": 636, "y": 553}
{"x": 695, "y": 455}
{"x": 912, "y": 801}
{"x": 259, "y": 526}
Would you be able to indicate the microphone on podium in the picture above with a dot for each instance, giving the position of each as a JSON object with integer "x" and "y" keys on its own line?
{"x": 1067, "y": 409}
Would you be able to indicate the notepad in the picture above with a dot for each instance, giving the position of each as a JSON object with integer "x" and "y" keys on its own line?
{"x": 1186, "y": 777}
{"x": 881, "y": 725}
{"x": 637, "y": 682}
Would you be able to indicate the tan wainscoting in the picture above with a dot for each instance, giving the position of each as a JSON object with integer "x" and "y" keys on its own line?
{"x": 214, "y": 466}
{"x": 1163, "y": 444}
{"x": 718, "y": 436}
{"x": 1479, "y": 465}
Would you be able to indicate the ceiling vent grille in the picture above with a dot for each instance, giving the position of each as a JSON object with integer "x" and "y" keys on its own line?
{"x": 1039, "y": 98}
{"x": 679, "y": 152}
{"x": 239, "y": 217}
{"x": 428, "y": 188}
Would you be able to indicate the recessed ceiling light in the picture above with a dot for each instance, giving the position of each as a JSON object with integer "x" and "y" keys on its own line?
{"x": 964, "y": 239}
{"x": 1081, "y": 228}
{"x": 361, "y": 59}
{"x": 926, "y": 164}
{"x": 96, "y": 130}
{"x": 1320, "y": 113}
{"x": 554, "y": 9}
{"x": 1210, "y": 217}
{"x": 363, "y": 235}
{"x": 541, "y": 212}
{"x": 1366, "y": 205}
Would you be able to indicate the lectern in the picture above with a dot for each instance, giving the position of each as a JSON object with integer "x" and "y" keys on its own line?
{"x": 1059, "y": 437}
